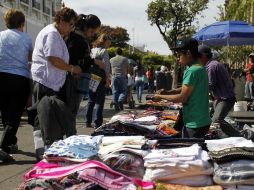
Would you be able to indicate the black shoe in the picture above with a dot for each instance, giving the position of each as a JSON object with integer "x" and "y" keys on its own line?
{"x": 121, "y": 106}
{"x": 13, "y": 148}
{"x": 111, "y": 104}
{"x": 89, "y": 126}
{"x": 117, "y": 108}
{"x": 5, "y": 158}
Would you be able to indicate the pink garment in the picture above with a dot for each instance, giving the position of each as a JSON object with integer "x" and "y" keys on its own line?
{"x": 92, "y": 170}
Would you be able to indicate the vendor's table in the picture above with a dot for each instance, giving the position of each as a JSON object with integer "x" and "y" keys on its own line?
{"x": 243, "y": 116}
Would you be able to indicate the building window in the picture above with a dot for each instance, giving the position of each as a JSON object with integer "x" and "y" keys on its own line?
{"x": 36, "y": 4}
{"x": 45, "y": 8}
{"x": 25, "y": 1}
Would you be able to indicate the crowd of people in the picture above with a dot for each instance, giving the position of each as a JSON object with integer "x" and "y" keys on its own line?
{"x": 63, "y": 52}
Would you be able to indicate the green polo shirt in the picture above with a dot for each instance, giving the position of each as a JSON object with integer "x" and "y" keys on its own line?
{"x": 196, "y": 109}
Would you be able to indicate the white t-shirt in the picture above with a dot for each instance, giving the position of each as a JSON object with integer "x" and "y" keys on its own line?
{"x": 49, "y": 42}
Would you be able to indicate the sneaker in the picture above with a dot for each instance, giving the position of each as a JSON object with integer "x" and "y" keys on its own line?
{"x": 5, "y": 158}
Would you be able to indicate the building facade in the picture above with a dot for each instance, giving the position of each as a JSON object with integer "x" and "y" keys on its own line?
{"x": 39, "y": 13}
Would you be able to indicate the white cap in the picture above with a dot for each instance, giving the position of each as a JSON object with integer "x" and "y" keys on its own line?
{"x": 251, "y": 55}
{"x": 163, "y": 68}
{"x": 216, "y": 54}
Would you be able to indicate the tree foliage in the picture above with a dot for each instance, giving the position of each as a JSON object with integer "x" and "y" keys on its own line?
{"x": 152, "y": 59}
{"x": 237, "y": 10}
{"x": 119, "y": 35}
{"x": 126, "y": 52}
{"x": 174, "y": 18}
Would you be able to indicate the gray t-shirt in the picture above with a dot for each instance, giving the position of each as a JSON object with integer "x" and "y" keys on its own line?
{"x": 49, "y": 42}
{"x": 119, "y": 66}
{"x": 102, "y": 54}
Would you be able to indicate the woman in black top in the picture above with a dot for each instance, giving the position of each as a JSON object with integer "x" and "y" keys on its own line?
{"x": 79, "y": 50}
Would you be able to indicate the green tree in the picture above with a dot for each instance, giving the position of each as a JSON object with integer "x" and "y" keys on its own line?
{"x": 236, "y": 10}
{"x": 119, "y": 35}
{"x": 153, "y": 59}
{"x": 135, "y": 56}
{"x": 174, "y": 18}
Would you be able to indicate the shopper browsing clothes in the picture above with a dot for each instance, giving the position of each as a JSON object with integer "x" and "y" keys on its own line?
{"x": 193, "y": 93}
{"x": 97, "y": 98}
{"x": 220, "y": 85}
{"x": 79, "y": 49}
{"x": 49, "y": 69}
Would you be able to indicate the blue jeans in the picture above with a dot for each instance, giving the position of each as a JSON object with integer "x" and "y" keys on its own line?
{"x": 96, "y": 98}
{"x": 119, "y": 89}
{"x": 139, "y": 89}
{"x": 248, "y": 90}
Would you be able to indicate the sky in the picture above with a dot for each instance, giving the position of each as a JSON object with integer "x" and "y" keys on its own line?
{"x": 131, "y": 15}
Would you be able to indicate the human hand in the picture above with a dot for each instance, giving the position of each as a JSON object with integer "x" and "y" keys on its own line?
{"x": 99, "y": 63}
{"x": 156, "y": 98}
{"x": 161, "y": 92}
{"x": 76, "y": 69}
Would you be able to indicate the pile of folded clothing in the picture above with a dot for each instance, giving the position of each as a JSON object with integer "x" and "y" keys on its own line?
{"x": 147, "y": 123}
{"x": 86, "y": 175}
{"x": 233, "y": 162}
{"x": 77, "y": 148}
{"x": 182, "y": 166}
{"x": 124, "y": 154}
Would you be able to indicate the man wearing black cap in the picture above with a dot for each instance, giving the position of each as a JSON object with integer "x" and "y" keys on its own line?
{"x": 193, "y": 93}
{"x": 220, "y": 85}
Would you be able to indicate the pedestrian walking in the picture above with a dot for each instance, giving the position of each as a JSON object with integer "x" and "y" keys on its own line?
{"x": 139, "y": 73}
{"x": 15, "y": 54}
{"x": 119, "y": 69}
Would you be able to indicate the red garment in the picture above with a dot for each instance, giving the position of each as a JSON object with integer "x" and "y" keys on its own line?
{"x": 149, "y": 75}
{"x": 249, "y": 75}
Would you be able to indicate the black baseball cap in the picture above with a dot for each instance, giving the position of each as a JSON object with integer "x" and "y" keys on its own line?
{"x": 186, "y": 44}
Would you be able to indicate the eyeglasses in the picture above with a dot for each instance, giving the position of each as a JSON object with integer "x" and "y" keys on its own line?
{"x": 72, "y": 24}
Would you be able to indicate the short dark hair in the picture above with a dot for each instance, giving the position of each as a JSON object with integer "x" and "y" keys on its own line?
{"x": 119, "y": 51}
{"x": 66, "y": 14}
{"x": 14, "y": 18}
{"x": 205, "y": 50}
{"x": 87, "y": 21}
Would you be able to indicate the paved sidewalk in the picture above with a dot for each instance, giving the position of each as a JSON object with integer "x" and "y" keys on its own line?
{"x": 11, "y": 174}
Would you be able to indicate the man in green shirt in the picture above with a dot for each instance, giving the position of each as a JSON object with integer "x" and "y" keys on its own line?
{"x": 193, "y": 93}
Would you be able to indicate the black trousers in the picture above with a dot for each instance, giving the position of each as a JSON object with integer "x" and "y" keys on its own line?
{"x": 52, "y": 116}
{"x": 195, "y": 132}
{"x": 14, "y": 94}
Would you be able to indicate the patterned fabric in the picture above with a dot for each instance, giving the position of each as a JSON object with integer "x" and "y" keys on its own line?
{"x": 92, "y": 171}
{"x": 231, "y": 154}
{"x": 75, "y": 147}
{"x": 183, "y": 187}
{"x": 238, "y": 172}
